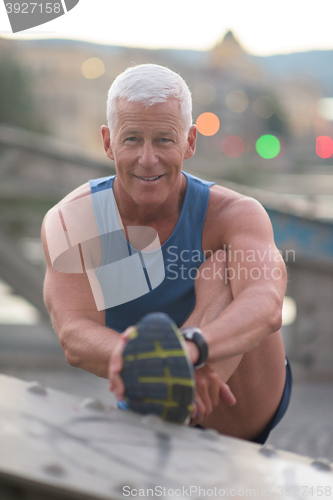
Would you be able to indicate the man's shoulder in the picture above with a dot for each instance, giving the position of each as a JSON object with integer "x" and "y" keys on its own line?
{"x": 52, "y": 215}
{"x": 69, "y": 223}
{"x": 233, "y": 208}
{"x": 85, "y": 189}
{"x": 222, "y": 198}
{"x": 79, "y": 192}
{"x": 231, "y": 215}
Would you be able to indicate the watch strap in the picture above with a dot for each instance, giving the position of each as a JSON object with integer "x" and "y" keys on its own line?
{"x": 194, "y": 334}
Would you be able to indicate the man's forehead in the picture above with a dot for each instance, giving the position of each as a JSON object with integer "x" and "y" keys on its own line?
{"x": 136, "y": 110}
{"x": 161, "y": 130}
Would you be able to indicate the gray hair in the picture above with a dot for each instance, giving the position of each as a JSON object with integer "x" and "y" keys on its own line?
{"x": 149, "y": 84}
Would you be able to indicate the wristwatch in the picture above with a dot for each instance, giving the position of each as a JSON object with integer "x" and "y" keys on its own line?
{"x": 194, "y": 334}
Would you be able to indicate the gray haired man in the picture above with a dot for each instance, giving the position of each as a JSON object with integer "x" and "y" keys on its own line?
{"x": 164, "y": 251}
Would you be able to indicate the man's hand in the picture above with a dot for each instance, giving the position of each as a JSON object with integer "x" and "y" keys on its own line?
{"x": 210, "y": 390}
{"x": 116, "y": 365}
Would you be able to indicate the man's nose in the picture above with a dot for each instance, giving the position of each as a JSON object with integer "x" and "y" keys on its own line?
{"x": 148, "y": 157}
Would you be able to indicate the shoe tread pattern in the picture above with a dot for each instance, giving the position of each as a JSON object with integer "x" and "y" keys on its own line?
{"x": 157, "y": 373}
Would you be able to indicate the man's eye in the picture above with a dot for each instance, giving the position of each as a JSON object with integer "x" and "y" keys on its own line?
{"x": 164, "y": 139}
{"x": 130, "y": 139}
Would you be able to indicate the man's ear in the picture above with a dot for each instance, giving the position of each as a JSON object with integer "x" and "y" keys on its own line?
{"x": 191, "y": 142}
{"x": 107, "y": 142}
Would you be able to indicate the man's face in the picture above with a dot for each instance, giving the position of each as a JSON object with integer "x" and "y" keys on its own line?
{"x": 149, "y": 146}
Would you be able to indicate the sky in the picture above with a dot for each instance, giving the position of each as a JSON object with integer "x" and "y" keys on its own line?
{"x": 263, "y": 27}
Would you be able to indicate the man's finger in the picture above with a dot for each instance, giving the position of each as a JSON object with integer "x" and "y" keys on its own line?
{"x": 226, "y": 395}
{"x": 203, "y": 390}
{"x": 199, "y": 407}
{"x": 127, "y": 333}
{"x": 194, "y": 410}
{"x": 116, "y": 365}
{"x": 116, "y": 360}
{"x": 199, "y": 412}
{"x": 214, "y": 392}
{"x": 117, "y": 387}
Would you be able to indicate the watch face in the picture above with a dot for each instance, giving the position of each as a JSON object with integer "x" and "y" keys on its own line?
{"x": 190, "y": 331}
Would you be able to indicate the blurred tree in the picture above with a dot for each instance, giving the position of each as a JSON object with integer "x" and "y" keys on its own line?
{"x": 17, "y": 103}
{"x": 277, "y": 127}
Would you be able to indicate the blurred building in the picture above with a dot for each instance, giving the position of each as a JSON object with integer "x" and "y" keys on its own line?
{"x": 71, "y": 79}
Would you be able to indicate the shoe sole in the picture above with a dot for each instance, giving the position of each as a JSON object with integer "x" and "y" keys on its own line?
{"x": 157, "y": 372}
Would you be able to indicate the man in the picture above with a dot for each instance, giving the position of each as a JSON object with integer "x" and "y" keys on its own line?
{"x": 163, "y": 223}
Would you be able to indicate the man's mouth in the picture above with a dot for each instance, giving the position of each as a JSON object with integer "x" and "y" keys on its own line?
{"x": 154, "y": 178}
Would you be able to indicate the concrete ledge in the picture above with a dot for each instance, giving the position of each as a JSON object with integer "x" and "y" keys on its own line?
{"x": 55, "y": 443}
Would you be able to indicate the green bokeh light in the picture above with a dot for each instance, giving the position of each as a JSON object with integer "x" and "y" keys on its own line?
{"x": 268, "y": 146}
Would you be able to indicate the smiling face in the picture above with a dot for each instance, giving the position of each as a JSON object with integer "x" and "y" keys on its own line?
{"x": 149, "y": 146}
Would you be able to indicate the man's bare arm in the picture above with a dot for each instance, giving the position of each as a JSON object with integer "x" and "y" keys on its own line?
{"x": 257, "y": 276}
{"x": 86, "y": 341}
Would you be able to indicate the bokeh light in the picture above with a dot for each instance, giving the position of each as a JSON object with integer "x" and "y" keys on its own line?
{"x": 208, "y": 124}
{"x": 324, "y": 146}
{"x": 204, "y": 93}
{"x": 237, "y": 101}
{"x": 325, "y": 108}
{"x": 264, "y": 106}
{"x": 233, "y": 146}
{"x": 289, "y": 311}
{"x": 93, "y": 68}
{"x": 268, "y": 146}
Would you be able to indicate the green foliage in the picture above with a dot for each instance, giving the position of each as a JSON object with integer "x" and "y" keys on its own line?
{"x": 277, "y": 127}
{"x": 17, "y": 106}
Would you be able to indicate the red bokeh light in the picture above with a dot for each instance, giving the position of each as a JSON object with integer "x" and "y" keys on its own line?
{"x": 324, "y": 146}
{"x": 233, "y": 146}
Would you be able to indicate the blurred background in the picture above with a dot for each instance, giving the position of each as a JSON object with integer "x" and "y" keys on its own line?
{"x": 265, "y": 123}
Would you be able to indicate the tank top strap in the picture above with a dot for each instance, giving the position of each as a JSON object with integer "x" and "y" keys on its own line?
{"x": 101, "y": 183}
{"x": 192, "y": 217}
{"x": 105, "y": 207}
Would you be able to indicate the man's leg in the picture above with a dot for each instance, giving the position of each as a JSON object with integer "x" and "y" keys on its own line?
{"x": 256, "y": 378}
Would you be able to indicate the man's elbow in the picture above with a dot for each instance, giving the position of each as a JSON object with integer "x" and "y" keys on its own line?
{"x": 71, "y": 358}
{"x": 276, "y": 321}
{"x": 277, "y": 296}
{"x": 275, "y": 316}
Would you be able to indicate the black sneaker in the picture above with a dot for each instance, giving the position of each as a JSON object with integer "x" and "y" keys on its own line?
{"x": 157, "y": 371}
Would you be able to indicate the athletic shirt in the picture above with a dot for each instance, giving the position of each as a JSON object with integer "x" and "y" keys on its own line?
{"x": 170, "y": 289}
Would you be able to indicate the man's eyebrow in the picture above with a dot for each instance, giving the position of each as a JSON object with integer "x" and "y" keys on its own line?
{"x": 128, "y": 131}
{"x": 136, "y": 132}
{"x": 170, "y": 131}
